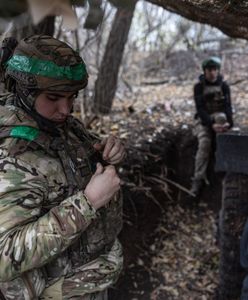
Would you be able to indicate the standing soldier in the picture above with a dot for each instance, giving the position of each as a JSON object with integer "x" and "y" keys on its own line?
{"x": 60, "y": 213}
{"x": 213, "y": 115}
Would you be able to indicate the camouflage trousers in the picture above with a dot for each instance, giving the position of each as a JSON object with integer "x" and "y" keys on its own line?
{"x": 204, "y": 136}
{"x": 54, "y": 292}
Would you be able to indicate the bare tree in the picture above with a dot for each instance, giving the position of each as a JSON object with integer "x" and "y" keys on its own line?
{"x": 106, "y": 83}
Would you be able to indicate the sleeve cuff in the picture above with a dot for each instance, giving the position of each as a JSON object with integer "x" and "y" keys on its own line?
{"x": 81, "y": 203}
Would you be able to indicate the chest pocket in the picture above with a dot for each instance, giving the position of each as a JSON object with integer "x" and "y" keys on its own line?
{"x": 82, "y": 165}
{"x": 214, "y": 98}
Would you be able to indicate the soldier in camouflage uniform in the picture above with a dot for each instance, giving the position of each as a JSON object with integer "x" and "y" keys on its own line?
{"x": 60, "y": 210}
{"x": 214, "y": 115}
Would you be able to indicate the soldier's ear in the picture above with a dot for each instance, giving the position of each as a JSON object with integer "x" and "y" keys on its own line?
{"x": 10, "y": 84}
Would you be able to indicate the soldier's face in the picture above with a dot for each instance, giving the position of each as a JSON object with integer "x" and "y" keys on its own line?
{"x": 55, "y": 106}
{"x": 211, "y": 74}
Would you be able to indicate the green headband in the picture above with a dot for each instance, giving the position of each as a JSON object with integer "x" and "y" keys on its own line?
{"x": 46, "y": 68}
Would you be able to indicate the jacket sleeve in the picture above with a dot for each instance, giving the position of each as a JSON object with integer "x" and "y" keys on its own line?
{"x": 228, "y": 103}
{"x": 200, "y": 106}
{"x": 29, "y": 239}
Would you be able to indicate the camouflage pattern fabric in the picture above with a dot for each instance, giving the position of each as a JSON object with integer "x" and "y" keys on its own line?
{"x": 45, "y": 234}
{"x": 40, "y": 62}
{"x": 213, "y": 95}
{"x": 55, "y": 292}
{"x": 204, "y": 136}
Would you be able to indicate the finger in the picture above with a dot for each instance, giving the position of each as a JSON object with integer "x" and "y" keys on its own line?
{"x": 110, "y": 169}
{"x": 116, "y": 153}
{"x": 98, "y": 146}
{"x": 118, "y": 158}
{"x": 115, "y": 161}
{"x": 117, "y": 149}
{"x": 104, "y": 141}
{"x": 99, "y": 169}
{"x": 108, "y": 146}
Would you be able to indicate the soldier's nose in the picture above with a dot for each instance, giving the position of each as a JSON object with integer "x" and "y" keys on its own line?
{"x": 64, "y": 107}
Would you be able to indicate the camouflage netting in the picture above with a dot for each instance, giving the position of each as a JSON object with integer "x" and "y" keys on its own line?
{"x": 230, "y": 16}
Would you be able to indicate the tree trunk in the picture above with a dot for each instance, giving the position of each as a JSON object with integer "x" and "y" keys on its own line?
{"x": 106, "y": 83}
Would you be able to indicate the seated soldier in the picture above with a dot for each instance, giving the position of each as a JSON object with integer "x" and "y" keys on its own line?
{"x": 213, "y": 115}
{"x": 60, "y": 212}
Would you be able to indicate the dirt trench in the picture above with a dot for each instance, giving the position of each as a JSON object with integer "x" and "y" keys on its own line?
{"x": 147, "y": 201}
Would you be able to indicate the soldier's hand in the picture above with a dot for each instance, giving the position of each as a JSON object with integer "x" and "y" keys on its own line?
{"x": 113, "y": 150}
{"x": 226, "y": 126}
{"x": 102, "y": 186}
{"x": 217, "y": 127}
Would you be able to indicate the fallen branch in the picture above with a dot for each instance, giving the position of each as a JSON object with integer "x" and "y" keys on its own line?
{"x": 179, "y": 186}
{"x": 155, "y": 82}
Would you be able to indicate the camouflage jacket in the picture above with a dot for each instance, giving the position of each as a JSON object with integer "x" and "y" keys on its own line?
{"x": 212, "y": 97}
{"x": 48, "y": 232}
